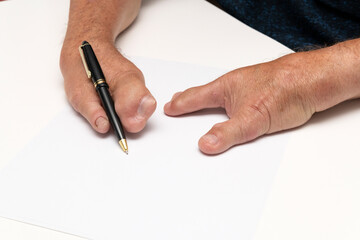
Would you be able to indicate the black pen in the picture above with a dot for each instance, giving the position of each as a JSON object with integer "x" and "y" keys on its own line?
{"x": 94, "y": 72}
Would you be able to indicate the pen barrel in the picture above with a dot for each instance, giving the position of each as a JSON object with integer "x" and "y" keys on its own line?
{"x": 92, "y": 63}
{"x": 109, "y": 107}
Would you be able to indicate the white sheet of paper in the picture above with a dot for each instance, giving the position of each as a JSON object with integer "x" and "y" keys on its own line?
{"x": 73, "y": 180}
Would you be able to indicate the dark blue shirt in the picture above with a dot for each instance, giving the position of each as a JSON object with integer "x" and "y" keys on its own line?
{"x": 299, "y": 24}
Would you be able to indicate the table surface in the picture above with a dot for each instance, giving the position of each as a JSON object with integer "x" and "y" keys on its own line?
{"x": 316, "y": 192}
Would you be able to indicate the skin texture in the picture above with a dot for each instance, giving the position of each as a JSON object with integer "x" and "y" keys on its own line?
{"x": 259, "y": 99}
{"x": 133, "y": 101}
{"x": 273, "y": 96}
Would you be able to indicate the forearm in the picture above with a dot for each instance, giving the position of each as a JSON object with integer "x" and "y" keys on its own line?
{"x": 100, "y": 20}
{"x": 328, "y": 76}
{"x": 341, "y": 72}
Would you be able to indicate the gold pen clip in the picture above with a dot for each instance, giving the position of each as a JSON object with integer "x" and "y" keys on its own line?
{"x": 84, "y": 61}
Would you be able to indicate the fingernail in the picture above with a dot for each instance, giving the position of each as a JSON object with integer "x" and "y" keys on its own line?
{"x": 210, "y": 138}
{"x": 102, "y": 123}
{"x": 146, "y": 103}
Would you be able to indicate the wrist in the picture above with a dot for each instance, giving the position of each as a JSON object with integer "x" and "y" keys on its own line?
{"x": 331, "y": 74}
{"x": 349, "y": 61}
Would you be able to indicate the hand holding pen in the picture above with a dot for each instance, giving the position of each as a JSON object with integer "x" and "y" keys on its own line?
{"x": 133, "y": 102}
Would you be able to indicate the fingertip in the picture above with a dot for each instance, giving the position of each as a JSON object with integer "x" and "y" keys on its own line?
{"x": 209, "y": 144}
{"x": 146, "y": 107}
{"x": 175, "y": 107}
{"x": 172, "y": 104}
{"x": 136, "y": 123}
{"x": 218, "y": 139}
{"x": 167, "y": 108}
{"x": 94, "y": 114}
{"x": 210, "y": 139}
{"x": 102, "y": 125}
{"x": 194, "y": 99}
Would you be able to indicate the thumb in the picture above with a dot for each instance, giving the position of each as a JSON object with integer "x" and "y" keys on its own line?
{"x": 237, "y": 130}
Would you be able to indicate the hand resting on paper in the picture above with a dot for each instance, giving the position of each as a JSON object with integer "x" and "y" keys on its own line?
{"x": 273, "y": 96}
{"x": 133, "y": 101}
{"x": 259, "y": 99}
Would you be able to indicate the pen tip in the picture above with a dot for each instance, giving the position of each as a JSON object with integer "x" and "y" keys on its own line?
{"x": 84, "y": 42}
{"x": 124, "y": 146}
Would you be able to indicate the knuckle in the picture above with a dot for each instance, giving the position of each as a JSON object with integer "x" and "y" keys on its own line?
{"x": 127, "y": 102}
{"x": 216, "y": 93}
{"x": 260, "y": 110}
{"x": 231, "y": 85}
{"x": 130, "y": 76}
{"x": 121, "y": 108}
{"x": 228, "y": 82}
{"x": 127, "y": 97}
{"x": 217, "y": 126}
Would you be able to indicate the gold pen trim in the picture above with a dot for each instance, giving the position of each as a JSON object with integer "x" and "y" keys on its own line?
{"x": 84, "y": 61}
{"x": 99, "y": 81}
